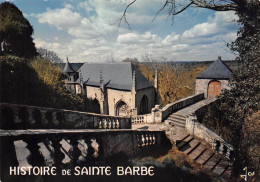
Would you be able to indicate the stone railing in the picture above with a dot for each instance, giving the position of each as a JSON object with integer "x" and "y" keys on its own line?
{"x": 145, "y": 118}
{"x": 60, "y": 148}
{"x": 199, "y": 130}
{"x": 30, "y": 117}
{"x": 159, "y": 115}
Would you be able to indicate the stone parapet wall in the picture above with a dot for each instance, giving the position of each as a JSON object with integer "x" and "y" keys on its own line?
{"x": 199, "y": 130}
{"x": 159, "y": 115}
{"x": 15, "y": 116}
{"x": 73, "y": 147}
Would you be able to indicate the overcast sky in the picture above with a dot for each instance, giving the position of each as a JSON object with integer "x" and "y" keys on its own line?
{"x": 85, "y": 30}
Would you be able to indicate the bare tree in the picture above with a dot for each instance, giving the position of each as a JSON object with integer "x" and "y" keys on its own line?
{"x": 111, "y": 58}
{"x": 49, "y": 55}
{"x": 174, "y": 7}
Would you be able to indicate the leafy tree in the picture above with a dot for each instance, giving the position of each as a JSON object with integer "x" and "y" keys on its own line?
{"x": 244, "y": 98}
{"x": 16, "y": 31}
{"x": 49, "y": 55}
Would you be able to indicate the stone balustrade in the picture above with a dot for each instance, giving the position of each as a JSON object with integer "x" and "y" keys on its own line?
{"x": 199, "y": 130}
{"x": 145, "y": 118}
{"x": 138, "y": 119}
{"x": 61, "y": 148}
{"x": 30, "y": 117}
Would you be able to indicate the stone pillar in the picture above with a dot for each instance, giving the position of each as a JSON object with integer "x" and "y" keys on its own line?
{"x": 156, "y": 86}
{"x": 103, "y": 94}
{"x": 156, "y": 114}
{"x": 133, "y": 91}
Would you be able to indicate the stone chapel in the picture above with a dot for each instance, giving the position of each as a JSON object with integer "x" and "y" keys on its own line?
{"x": 214, "y": 79}
{"x": 120, "y": 88}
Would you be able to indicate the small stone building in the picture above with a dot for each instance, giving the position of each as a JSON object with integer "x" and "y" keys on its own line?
{"x": 72, "y": 76}
{"x": 214, "y": 79}
{"x": 120, "y": 88}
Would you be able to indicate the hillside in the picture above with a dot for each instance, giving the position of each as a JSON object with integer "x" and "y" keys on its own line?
{"x": 38, "y": 83}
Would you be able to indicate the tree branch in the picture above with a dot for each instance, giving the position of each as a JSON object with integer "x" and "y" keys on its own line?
{"x": 124, "y": 15}
{"x": 231, "y": 5}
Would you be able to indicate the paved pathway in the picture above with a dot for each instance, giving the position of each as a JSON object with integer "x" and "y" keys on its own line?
{"x": 194, "y": 107}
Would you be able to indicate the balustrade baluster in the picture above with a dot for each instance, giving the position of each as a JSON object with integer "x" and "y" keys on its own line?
{"x": 95, "y": 146}
{"x": 90, "y": 150}
{"x": 99, "y": 123}
{"x": 102, "y": 123}
{"x": 75, "y": 151}
{"x": 150, "y": 139}
{"x": 116, "y": 123}
{"x": 147, "y": 139}
{"x": 214, "y": 145}
{"x": 31, "y": 119}
{"x": 55, "y": 120}
{"x": 112, "y": 123}
{"x": 108, "y": 123}
{"x": 154, "y": 139}
{"x": 221, "y": 148}
{"x": 143, "y": 139}
{"x": 17, "y": 119}
{"x": 35, "y": 158}
{"x": 57, "y": 154}
{"x": 44, "y": 114}
{"x": 228, "y": 153}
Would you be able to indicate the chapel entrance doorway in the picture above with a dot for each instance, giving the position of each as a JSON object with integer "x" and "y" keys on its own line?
{"x": 214, "y": 89}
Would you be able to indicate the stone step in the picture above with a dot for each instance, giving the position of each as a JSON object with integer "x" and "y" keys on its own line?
{"x": 212, "y": 162}
{"x": 193, "y": 145}
{"x": 220, "y": 168}
{"x": 175, "y": 124}
{"x": 178, "y": 117}
{"x": 205, "y": 157}
{"x": 227, "y": 173}
{"x": 176, "y": 120}
{"x": 185, "y": 143}
{"x": 184, "y": 135}
{"x": 195, "y": 154}
{"x": 181, "y": 137}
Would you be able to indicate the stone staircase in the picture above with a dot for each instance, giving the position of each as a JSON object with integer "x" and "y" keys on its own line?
{"x": 193, "y": 147}
{"x": 176, "y": 120}
{"x": 201, "y": 153}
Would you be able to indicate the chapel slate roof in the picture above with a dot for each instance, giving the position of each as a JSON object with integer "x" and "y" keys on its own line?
{"x": 115, "y": 75}
{"x": 75, "y": 66}
{"x": 68, "y": 68}
{"x": 217, "y": 70}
